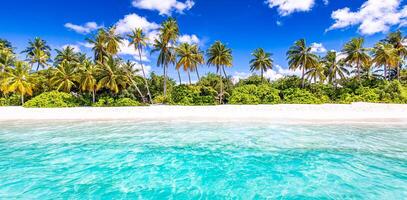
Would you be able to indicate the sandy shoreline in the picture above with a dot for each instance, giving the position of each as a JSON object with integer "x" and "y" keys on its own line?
{"x": 357, "y": 112}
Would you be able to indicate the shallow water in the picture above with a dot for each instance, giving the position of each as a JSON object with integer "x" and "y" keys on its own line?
{"x": 181, "y": 160}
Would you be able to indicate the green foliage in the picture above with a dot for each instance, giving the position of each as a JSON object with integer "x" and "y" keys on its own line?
{"x": 300, "y": 96}
{"x": 193, "y": 95}
{"x": 13, "y": 100}
{"x": 110, "y": 102}
{"x": 52, "y": 99}
{"x": 251, "y": 80}
{"x": 252, "y": 94}
{"x": 287, "y": 83}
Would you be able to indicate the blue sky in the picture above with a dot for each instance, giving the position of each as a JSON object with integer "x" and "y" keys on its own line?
{"x": 242, "y": 24}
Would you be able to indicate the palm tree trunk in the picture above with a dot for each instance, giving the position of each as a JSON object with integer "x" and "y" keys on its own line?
{"x": 22, "y": 99}
{"x": 165, "y": 81}
{"x": 261, "y": 74}
{"x": 385, "y": 72}
{"x": 38, "y": 66}
{"x": 189, "y": 77}
{"x": 302, "y": 77}
{"x": 221, "y": 86}
{"x": 197, "y": 74}
{"x": 224, "y": 72}
{"x": 179, "y": 77}
{"x": 139, "y": 92}
{"x": 93, "y": 96}
{"x": 358, "y": 70}
{"x": 145, "y": 78}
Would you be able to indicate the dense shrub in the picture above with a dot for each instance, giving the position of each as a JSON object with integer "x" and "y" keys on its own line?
{"x": 13, "y": 100}
{"x": 126, "y": 102}
{"x": 193, "y": 95}
{"x": 301, "y": 96}
{"x": 52, "y": 99}
{"x": 252, "y": 94}
{"x": 110, "y": 102}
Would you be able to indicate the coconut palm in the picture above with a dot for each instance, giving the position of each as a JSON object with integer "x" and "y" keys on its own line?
{"x": 66, "y": 54}
{"x": 38, "y": 52}
{"x": 384, "y": 54}
{"x": 113, "y": 41}
{"x": 300, "y": 57}
{"x": 7, "y": 58}
{"x": 356, "y": 55}
{"x": 139, "y": 40}
{"x": 398, "y": 41}
{"x": 335, "y": 67}
{"x": 316, "y": 73}
{"x": 88, "y": 78}
{"x": 65, "y": 76}
{"x": 187, "y": 58}
{"x": 200, "y": 60}
{"x": 219, "y": 56}
{"x": 262, "y": 61}
{"x": 111, "y": 75}
{"x": 98, "y": 43}
{"x": 169, "y": 33}
{"x": 130, "y": 72}
{"x": 18, "y": 79}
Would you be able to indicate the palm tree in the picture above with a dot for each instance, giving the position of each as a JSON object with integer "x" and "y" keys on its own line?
{"x": 98, "y": 43}
{"x": 38, "y": 52}
{"x": 262, "y": 61}
{"x": 384, "y": 54}
{"x": 187, "y": 58}
{"x": 112, "y": 76}
{"x": 300, "y": 57}
{"x": 88, "y": 78}
{"x": 397, "y": 40}
{"x": 113, "y": 41}
{"x": 65, "y": 76}
{"x": 200, "y": 60}
{"x": 7, "y": 58}
{"x": 356, "y": 54}
{"x": 219, "y": 56}
{"x": 316, "y": 73}
{"x": 66, "y": 54}
{"x": 130, "y": 72}
{"x": 169, "y": 33}
{"x": 335, "y": 68}
{"x": 18, "y": 79}
{"x": 139, "y": 40}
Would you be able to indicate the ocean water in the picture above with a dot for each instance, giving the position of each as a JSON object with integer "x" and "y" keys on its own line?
{"x": 201, "y": 160}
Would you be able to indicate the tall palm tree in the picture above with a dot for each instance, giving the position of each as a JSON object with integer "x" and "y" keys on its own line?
{"x": 7, "y": 58}
{"x": 98, "y": 43}
{"x": 262, "y": 61}
{"x": 88, "y": 78}
{"x": 397, "y": 40}
{"x": 111, "y": 75}
{"x": 130, "y": 72}
{"x": 18, "y": 79}
{"x": 316, "y": 73}
{"x": 65, "y": 76}
{"x": 66, "y": 54}
{"x": 356, "y": 54}
{"x": 384, "y": 54}
{"x": 300, "y": 57}
{"x": 200, "y": 60}
{"x": 139, "y": 40}
{"x": 335, "y": 67}
{"x": 187, "y": 58}
{"x": 38, "y": 52}
{"x": 113, "y": 41}
{"x": 169, "y": 32}
{"x": 219, "y": 56}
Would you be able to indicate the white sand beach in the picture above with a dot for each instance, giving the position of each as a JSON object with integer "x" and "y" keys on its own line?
{"x": 356, "y": 112}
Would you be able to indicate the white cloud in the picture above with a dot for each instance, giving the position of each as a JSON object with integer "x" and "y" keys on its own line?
{"x": 274, "y": 74}
{"x": 373, "y": 16}
{"x": 86, "y": 44}
{"x": 279, "y": 23}
{"x": 286, "y": 7}
{"x": 83, "y": 29}
{"x": 75, "y": 47}
{"x": 133, "y": 21}
{"x": 326, "y": 2}
{"x": 125, "y": 49}
{"x": 190, "y": 39}
{"x": 317, "y": 48}
{"x": 165, "y": 7}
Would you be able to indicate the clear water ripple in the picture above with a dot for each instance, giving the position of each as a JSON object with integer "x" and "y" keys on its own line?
{"x": 156, "y": 160}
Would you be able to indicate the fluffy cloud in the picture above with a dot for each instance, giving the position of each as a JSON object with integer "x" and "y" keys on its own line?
{"x": 317, "y": 48}
{"x": 286, "y": 7}
{"x": 132, "y": 21}
{"x": 190, "y": 39}
{"x": 125, "y": 49}
{"x": 274, "y": 74}
{"x": 373, "y": 16}
{"x": 83, "y": 29}
{"x": 165, "y": 7}
{"x": 75, "y": 47}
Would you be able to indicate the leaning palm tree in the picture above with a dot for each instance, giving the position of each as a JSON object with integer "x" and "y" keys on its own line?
{"x": 88, "y": 78}
{"x": 300, "y": 57}
{"x": 169, "y": 33}
{"x": 98, "y": 43}
{"x": 356, "y": 54}
{"x": 38, "y": 52}
{"x": 130, "y": 72}
{"x": 18, "y": 79}
{"x": 111, "y": 75}
{"x": 139, "y": 40}
{"x": 262, "y": 61}
{"x": 187, "y": 59}
{"x": 398, "y": 41}
{"x": 219, "y": 56}
{"x": 384, "y": 54}
{"x": 335, "y": 67}
{"x": 65, "y": 76}
{"x": 66, "y": 54}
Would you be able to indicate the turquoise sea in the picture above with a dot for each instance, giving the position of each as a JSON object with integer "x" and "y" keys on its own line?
{"x": 201, "y": 160}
